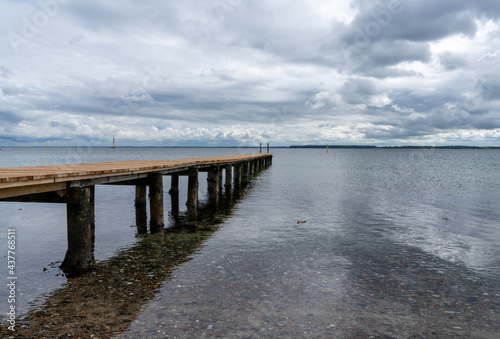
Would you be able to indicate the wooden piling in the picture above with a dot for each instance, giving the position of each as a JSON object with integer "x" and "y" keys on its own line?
{"x": 75, "y": 186}
{"x": 229, "y": 177}
{"x": 220, "y": 179}
{"x": 245, "y": 171}
{"x": 192, "y": 196}
{"x": 157, "y": 221}
{"x": 79, "y": 254}
{"x": 237, "y": 176}
{"x": 92, "y": 220}
{"x": 174, "y": 184}
{"x": 141, "y": 216}
{"x": 213, "y": 184}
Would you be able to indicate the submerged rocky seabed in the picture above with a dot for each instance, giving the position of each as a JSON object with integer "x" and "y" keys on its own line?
{"x": 336, "y": 256}
{"x": 104, "y": 301}
{"x": 299, "y": 292}
{"x": 353, "y": 290}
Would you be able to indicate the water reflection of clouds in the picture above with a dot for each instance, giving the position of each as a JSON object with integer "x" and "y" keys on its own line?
{"x": 441, "y": 232}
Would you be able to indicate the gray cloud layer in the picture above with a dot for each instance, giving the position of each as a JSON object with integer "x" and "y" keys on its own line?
{"x": 247, "y": 71}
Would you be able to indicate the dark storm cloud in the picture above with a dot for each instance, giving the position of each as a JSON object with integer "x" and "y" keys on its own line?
{"x": 452, "y": 61}
{"x": 5, "y": 72}
{"x": 489, "y": 87}
{"x": 377, "y": 58}
{"x": 238, "y": 70}
{"x": 359, "y": 91}
{"x": 424, "y": 20}
{"x": 8, "y": 117}
{"x": 387, "y": 33}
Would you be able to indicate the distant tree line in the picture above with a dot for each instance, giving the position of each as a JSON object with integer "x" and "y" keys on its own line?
{"x": 397, "y": 147}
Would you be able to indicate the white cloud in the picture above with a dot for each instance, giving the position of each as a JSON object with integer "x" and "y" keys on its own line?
{"x": 235, "y": 72}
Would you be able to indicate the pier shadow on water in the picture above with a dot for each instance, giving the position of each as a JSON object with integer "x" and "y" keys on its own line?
{"x": 103, "y": 302}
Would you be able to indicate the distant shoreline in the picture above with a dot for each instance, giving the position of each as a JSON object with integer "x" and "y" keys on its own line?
{"x": 291, "y": 146}
{"x": 394, "y": 147}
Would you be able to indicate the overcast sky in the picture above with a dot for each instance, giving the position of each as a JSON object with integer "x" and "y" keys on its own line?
{"x": 240, "y": 72}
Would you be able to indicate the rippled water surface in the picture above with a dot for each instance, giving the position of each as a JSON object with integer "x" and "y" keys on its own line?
{"x": 353, "y": 243}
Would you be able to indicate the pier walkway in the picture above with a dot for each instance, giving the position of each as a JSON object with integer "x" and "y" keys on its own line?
{"x": 74, "y": 185}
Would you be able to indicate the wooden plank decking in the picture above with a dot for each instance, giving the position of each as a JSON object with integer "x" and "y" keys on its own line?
{"x": 74, "y": 185}
{"x": 17, "y": 181}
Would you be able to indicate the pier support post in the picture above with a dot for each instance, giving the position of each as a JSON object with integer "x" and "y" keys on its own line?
{"x": 245, "y": 171}
{"x": 237, "y": 176}
{"x": 192, "y": 197}
{"x": 141, "y": 217}
{"x": 220, "y": 179}
{"x": 92, "y": 220}
{"x": 174, "y": 195}
{"x": 174, "y": 185}
{"x": 228, "y": 186}
{"x": 157, "y": 221}
{"x": 79, "y": 255}
{"x": 229, "y": 177}
{"x": 213, "y": 184}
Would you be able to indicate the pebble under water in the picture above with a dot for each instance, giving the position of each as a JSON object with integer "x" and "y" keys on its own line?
{"x": 353, "y": 244}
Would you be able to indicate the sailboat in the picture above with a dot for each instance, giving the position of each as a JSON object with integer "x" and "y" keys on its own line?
{"x": 113, "y": 145}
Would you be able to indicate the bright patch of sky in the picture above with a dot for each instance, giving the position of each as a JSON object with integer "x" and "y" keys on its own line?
{"x": 240, "y": 72}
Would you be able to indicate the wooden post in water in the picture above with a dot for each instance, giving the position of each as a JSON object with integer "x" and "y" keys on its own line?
{"x": 174, "y": 184}
{"x": 157, "y": 221}
{"x": 221, "y": 172}
{"x": 229, "y": 177}
{"x": 192, "y": 196}
{"x": 213, "y": 184}
{"x": 79, "y": 255}
{"x": 92, "y": 219}
{"x": 245, "y": 171}
{"x": 237, "y": 176}
{"x": 141, "y": 216}
{"x": 174, "y": 195}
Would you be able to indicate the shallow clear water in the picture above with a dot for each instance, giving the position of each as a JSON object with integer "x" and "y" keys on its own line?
{"x": 41, "y": 228}
{"x": 320, "y": 244}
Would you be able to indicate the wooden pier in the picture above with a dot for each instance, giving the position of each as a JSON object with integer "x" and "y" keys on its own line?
{"x": 74, "y": 185}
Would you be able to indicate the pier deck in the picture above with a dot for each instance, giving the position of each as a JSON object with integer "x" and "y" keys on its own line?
{"x": 74, "y": 185}
{"x": 18, "y": 181}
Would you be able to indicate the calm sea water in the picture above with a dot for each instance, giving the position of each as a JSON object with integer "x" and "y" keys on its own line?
{"x": 317, "y": 234}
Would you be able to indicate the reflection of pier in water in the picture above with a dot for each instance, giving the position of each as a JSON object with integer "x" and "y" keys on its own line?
{"x": 105, "y": 300}
{"x": 74, "y": 185}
